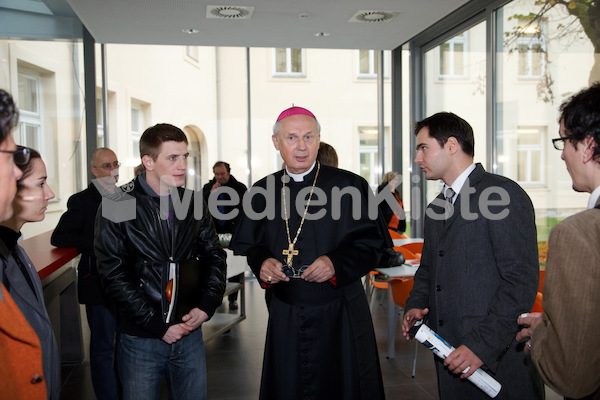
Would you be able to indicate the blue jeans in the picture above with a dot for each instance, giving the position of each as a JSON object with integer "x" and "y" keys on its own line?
{"x": 103, "y": 335}
{"x": 143, "y": 362}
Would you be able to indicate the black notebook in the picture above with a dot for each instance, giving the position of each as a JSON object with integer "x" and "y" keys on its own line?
{"x": 186, "y": 283}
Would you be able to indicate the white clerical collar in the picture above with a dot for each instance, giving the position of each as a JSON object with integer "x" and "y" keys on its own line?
{"x": 594, "y": 198}
{"x": 460, "y": 181}
{"x": 300, "y": 177}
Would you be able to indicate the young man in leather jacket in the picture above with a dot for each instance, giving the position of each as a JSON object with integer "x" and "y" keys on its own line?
{"x": 136, "y": 260}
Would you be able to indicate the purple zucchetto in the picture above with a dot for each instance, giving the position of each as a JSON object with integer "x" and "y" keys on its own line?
{"x": 295, "y": 111}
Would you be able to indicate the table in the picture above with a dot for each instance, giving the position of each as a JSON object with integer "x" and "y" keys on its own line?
{"x": 401, "y": 271}
{"x": 401, "y": 242}
{"x": 224, "y": 321}
{"x": 235, "y": 264}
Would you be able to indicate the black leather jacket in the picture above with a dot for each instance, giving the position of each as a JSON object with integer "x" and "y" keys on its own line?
{"x": 134, "y": 258}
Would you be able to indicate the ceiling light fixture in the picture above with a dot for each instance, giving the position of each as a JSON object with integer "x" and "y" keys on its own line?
{"x": 322, "y": 34}
{"x": 190, "y": 31}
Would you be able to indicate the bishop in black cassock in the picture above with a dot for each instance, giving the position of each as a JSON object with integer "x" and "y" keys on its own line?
{"x": 320, "y": 340}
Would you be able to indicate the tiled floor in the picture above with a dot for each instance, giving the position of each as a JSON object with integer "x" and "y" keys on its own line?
{"x": 234, "y": 360}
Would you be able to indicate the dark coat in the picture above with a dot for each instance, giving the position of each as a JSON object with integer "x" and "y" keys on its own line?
{"x": 34, "y": 309}
{"x": 134, "y": 258}
{"x": 227, "y": 226}
{"x": 76, "y": 229}
{"x": 320, "y": 340}
{"x": 477, "y": 275}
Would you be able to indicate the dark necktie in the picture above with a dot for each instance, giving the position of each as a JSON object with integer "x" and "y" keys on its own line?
{"x": 449, "y": 194}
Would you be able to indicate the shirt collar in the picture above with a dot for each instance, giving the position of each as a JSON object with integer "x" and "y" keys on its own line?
{"x": 300, "y": 177}
{"x": 460, "y": 181}
{"x": 594, "y": 198}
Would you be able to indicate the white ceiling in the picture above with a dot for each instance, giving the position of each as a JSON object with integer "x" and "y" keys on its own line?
{"x": 273, "y": 23}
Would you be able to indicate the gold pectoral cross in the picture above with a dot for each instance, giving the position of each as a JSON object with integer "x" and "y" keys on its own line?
{"x": 290, "y": 253}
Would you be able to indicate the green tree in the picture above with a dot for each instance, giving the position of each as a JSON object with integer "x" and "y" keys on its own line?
{"x": 585, "y": 21}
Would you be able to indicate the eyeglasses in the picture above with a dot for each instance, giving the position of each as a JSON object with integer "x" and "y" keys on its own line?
{"x": 21, "y": 155}
{"x": 559, "y": 143}
{"x": 109, "y": 166}
{"x": 293, "y": 272}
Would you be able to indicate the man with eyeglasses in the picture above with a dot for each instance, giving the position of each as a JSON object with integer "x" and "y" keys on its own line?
{"x": 21, "y": 372}
{"x": 564, "y": 340}
{"x": 76, "y": 229}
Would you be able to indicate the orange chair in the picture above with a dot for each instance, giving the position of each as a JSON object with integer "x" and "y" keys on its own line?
{"x": 415, "y": 248}
{"x": 541, "y": 284}
{"x": 375, "y": 284}
{"x": 401, "y": 288}
{"x": 537, "y": 306}
{"x": 396, "y": 235}
{"x": 408, "y": 255}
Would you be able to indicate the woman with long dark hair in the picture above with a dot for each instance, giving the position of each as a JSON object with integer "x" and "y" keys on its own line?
{"x": 20, "y": 276}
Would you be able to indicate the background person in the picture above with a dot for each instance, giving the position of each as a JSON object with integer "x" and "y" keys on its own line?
{"x": 478, "y": 271}
{"x": 223, "y": 178}
{"x": 76, "y": 229}
{"x": 394, "y": 221}
{"x": 20, "y": 349}
{"x": 134, "y": 260}
{"x": 20, "y": 277}
{"x": 564, "y": 339}
{"x": 320, "y": 341}
{"x": 327, "y": 155}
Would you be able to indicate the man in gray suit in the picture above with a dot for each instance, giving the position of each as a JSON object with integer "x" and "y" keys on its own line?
{"x": 479, "y": 268}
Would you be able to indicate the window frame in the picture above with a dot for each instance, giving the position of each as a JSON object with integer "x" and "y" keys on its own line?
{"x": 530, "y": 41}
{"x": 460, "y": 38}
{"x": 32, "y": 118}
{"x": 372, "y": 74}
{"x": 288, "y": 63}
{"x": 528, "y": 149}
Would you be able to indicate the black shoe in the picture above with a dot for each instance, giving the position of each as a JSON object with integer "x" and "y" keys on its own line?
{"x": 233, "y": 305}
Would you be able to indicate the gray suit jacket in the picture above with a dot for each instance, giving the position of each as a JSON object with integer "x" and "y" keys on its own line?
{"x": 478, "y": 273}
{"x": 35, "y": 312}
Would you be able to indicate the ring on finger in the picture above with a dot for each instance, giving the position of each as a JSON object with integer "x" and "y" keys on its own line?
{"x": 269, "y": 279}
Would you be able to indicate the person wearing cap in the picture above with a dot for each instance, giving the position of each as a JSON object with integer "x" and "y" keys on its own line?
{"x": 313, "y": 253}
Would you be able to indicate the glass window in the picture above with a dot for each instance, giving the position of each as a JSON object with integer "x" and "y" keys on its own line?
{"x": 30, "y": 120}
{"x": 46, "y": 82}
{"x": 137, "y": 128}
{"x": 288, "y": 62}
{"x": 453, "y": 57}
{"x": 368, "y": 63}
{"x": 541, "y": 40}
{"x": 368, "y": 153}
{"x": 531, "y": 148}
{"x": 531, "y": 49}
{"x": 465, "y": 97}
{"x": 100, "y": 123}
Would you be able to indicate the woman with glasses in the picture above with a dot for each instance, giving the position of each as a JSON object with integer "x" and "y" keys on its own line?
{"x": 19, "y": 275}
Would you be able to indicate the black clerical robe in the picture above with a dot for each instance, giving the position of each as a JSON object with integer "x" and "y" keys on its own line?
{"x": 320, "y": 340}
